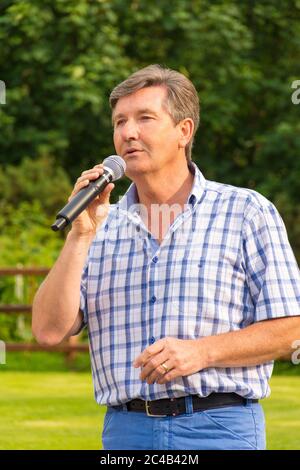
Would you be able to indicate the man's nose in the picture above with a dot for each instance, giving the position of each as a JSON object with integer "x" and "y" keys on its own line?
{"x": 130, "y": 130}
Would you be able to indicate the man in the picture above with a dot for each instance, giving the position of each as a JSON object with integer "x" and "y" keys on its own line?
{"x": 185, "y": 318}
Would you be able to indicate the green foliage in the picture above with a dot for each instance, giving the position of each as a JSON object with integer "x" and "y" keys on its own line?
{"x": 34, "y": 180}
{"x": 62, "y": 58}
{"x": 60, "y": 61}
{"x": 31, "y": 195}
{"x": 25, "y": 240}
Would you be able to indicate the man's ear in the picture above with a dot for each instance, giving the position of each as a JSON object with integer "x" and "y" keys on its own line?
{"x": 186, "y": 129}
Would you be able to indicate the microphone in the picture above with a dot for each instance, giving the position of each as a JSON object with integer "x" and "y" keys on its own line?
{"x": 114, "y": 169}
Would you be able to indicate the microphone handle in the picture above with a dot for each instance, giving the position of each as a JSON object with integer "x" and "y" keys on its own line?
{"x": 80, "y": 201}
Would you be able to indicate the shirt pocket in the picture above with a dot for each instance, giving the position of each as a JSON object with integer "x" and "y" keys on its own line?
{"x": 209, "y": 292}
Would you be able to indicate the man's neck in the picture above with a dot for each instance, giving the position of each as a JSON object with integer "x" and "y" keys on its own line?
{"x": 162, "y": 188}
{"x": 163, "y": 198}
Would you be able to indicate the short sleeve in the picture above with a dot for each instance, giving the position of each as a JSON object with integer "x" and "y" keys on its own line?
{"x": 272, "y": 272}
{"x": 83, "y": 301}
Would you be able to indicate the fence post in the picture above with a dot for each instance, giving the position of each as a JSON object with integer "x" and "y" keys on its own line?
{"x": 69, "y": 348}
{"x": 2, "y": 92}
{"x": 19, "y": 294}
{"x": 71, "y": 354}
{"x": 2, "y": 352}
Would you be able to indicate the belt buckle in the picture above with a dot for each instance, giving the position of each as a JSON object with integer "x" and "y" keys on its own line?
{"x": 150, "y": 414}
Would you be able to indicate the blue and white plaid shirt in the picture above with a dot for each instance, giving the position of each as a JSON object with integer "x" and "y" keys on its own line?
{"x": 224, "y": 264}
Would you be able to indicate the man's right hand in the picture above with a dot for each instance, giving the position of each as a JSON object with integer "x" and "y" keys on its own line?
{"x": 91, "y": 218}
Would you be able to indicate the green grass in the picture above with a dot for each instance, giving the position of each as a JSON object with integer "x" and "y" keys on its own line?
{"x": 49, "y": 410}
{"x": 57, "y": 410}
{"x": 282, "y": 410}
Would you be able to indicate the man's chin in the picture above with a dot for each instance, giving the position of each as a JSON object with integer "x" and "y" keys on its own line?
{"x": 136, "y": 167}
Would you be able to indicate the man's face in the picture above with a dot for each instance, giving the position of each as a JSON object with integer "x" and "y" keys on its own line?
{"x": 144, "y": 133}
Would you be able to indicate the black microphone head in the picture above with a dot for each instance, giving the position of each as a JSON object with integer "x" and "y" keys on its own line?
{"x": 116, "y": 165}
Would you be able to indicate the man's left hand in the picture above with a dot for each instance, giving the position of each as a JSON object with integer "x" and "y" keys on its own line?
{"x": 170, "y": 358}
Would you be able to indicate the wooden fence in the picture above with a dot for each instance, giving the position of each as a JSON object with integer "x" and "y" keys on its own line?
{"x": 68, "y": 347}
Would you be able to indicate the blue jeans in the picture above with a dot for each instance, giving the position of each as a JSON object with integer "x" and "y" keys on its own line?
{"x": 234, "y": 427}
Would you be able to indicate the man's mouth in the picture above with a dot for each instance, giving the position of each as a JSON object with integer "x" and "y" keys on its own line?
{"x": 132, "y": 151}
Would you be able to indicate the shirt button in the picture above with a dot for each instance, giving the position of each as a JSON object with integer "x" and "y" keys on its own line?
{"x": 153, "y": 299}
{"x": 155, "y": 259}
{"x": 192, "y": 199}
{"x": 138, "y": 228}
{"x": 152, "y": 340}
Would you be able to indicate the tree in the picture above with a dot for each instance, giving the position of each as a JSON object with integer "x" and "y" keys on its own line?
{"x": 62, "y": 58}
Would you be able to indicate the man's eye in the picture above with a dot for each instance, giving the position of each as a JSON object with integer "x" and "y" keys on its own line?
{"x": 146, "y": 117}
{"x": 119, "y": 122}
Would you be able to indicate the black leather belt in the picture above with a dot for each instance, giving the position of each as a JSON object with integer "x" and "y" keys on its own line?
{"x": 177, "y": 406}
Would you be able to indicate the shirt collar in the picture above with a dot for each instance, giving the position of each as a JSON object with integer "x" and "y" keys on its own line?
{"x": 130, "y": 198}
{"x": 198, "y": 187}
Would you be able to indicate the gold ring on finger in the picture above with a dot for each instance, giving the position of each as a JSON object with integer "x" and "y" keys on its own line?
{"x": 165, "y": 367}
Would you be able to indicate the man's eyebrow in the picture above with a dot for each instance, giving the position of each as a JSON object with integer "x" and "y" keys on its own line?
{"x": 147, "y": 111}
{"x": 140, "y": 111}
